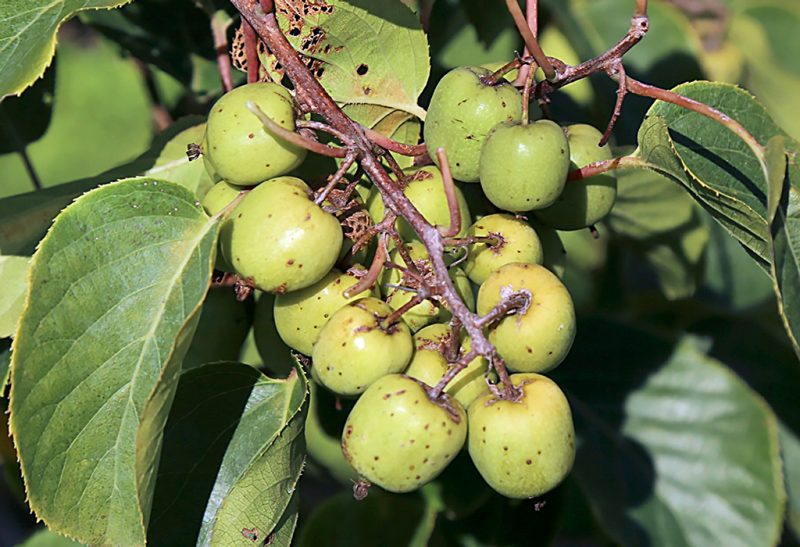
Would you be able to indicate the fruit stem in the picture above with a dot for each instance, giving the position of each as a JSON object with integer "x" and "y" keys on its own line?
{"x": 451, "y": 373}
{"x": 295, "y": 138}
{"x": 526, "y": 95}
{"x": 530, "y": 40}
{"x": 374, "y": 271}
{"x": 251, "y": 52}
{"x": 516, "y": 301}
{"x": 604, "y": 166}
{"x": 450, "y": 194}
{"x": 336, "y": 177}
{"x": 393, "y": 145}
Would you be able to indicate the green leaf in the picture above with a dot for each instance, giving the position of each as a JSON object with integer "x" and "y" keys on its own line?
{"x": 115, "y": 291}
{"x": 765, "y": 36}
{"x": 660, "y": 221}
{"x": 716, "y": 167}
{"x": 233, "y": 451}
{"x": 13, "y": 279}
{"x": 363, "y": 51}
{"x": 48, "y": 538}
{"x": 25, "y": 119}
{"x": 784, "y": 217}
{"x": 790, "y": 450}
{"x": 28, "y": 37}
{"x": 674, "y": 449}
{"x": 25, "y": 218}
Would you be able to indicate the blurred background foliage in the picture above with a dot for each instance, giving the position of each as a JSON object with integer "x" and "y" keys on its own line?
{"x": 662, "y": 289}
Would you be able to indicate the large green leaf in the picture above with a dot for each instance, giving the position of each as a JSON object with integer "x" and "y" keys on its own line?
{"x": 28, "y": 37}
{"x": 674, "y": 449}
{"x": 717, "y": 167}
{"x": 13, "y": 279}
{"x": 48, "y": 538}
{"x": 115, "y": 290}
{"x": 233, "y": 451}
{"x": 790, "y": 450}
{"x": 363, "y": 51}
{"x": 784, "y": 214}
{"x": 660, "y": 221}
{"x": 25, "y": 218}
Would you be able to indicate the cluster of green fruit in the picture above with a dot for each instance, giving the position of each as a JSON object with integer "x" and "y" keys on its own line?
{"x": 399, "y": 434}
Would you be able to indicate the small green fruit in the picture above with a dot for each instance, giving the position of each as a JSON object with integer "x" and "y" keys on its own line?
{"x": 429, "y": 365}
{"x": 555, "y": 254}
{"x": 425, "y": 190}
{"x": 237, "y": 145}
{"x": 461, "y": 113}
{"x": 398, "y": 438}
{"x": 355, "y": 348}
{"x": 279, "y": 239}
{"x": 220, "y": 196}
{"x": 300, "y": 315}
{"x": 523, "y": 448}
{"x": 541, "y": 337}
{"x": 519, "y": 243}
{"x": 524, "y": 167}
{"x": 587, "y": 201}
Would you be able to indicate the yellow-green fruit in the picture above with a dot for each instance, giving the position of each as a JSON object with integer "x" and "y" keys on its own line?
{"x": 523, "y": 448}
{"x": 237, "y": 145}
{"x": 541, "y": 337}
{"x": 461, "y": 113}
{"x": 355, "y": 348}
{"x": 586, "y": 201}
{"x": 279, "y": 238}
{"x": 429, "y": 365}
{"x": 425, "y": 190}
{"x": 300, "y": 315}
{"x": 393, "y": 280}
{"x": 518, "y": 242}
{"x": 275, "y": 354}
{"x": 220, "y": 196}
{"x": 524, "y": 167}
{"x": 398, "y": 438}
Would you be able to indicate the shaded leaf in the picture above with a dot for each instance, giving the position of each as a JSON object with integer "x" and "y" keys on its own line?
{"x": 363, "y": 52}
{"x": 28, "y": 37}
{"x": 25, "y": 218}
{"x": 25, "y": 119}
{"x": 717, "y": 167}
{"x": 13, "y": 279}
{"x": 233, "y": 451}
{"x": 674, "y": 449}
{"x": 660, "y": 221}
{"x": 48, "y": 538}
{"x": 115, "y": 290}
{"x": 784, "y": 216}
{"x": 5, "y": 361}
{"x": 790, "y": 450}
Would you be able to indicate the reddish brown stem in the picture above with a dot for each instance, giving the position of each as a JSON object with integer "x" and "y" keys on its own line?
{"x": 619, "y": 70}
{"x": 395, "y": 316}
{"x": 452, "y": 372}
{"x": 604, "y": 166}
{"x": 219, "y": 31}
{"x": 319, "y": 126}
{"x": 450, "y": 195}
{"x": 336, "y": 177}
{"x": 251, "y": 52}
{"x": 375, "y": 269}
{"x": 296, "y": 138}
{"x": 513, "y": 303}
{"x": 394, "y": 146}
{"x": 530, "y": 40}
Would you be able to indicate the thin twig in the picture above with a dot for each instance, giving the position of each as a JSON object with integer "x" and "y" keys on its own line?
{"x": 295, "y": 138}
{"x": 604, "y": 166}
{"x": 622, "y": 89}
{"x": 393, "y": 145}
{"x": 219, "y": 31}
{"x": 336, "y": 177}
{"x": 450, "y": 195}
{"x": 530, "y": 40}
{"x": 251, "y": 52}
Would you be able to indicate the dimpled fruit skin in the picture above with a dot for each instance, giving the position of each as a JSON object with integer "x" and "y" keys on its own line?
{"x": 238, "y": 147}
{"x": 279, "y": 239}
{"x": 539, "y": 339}
{"x": 397, "y": 438}
{"x": 520, "y": 244}
{"x": 426, "y": 191}
{"x": 586, "y": 201}
{"x": 461, "y": 114}
{"x": 524, "y": 167}
{"x": 523, "y": 449}
{"x": 300, "y": 315}
{"x": 353, "y": 351}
